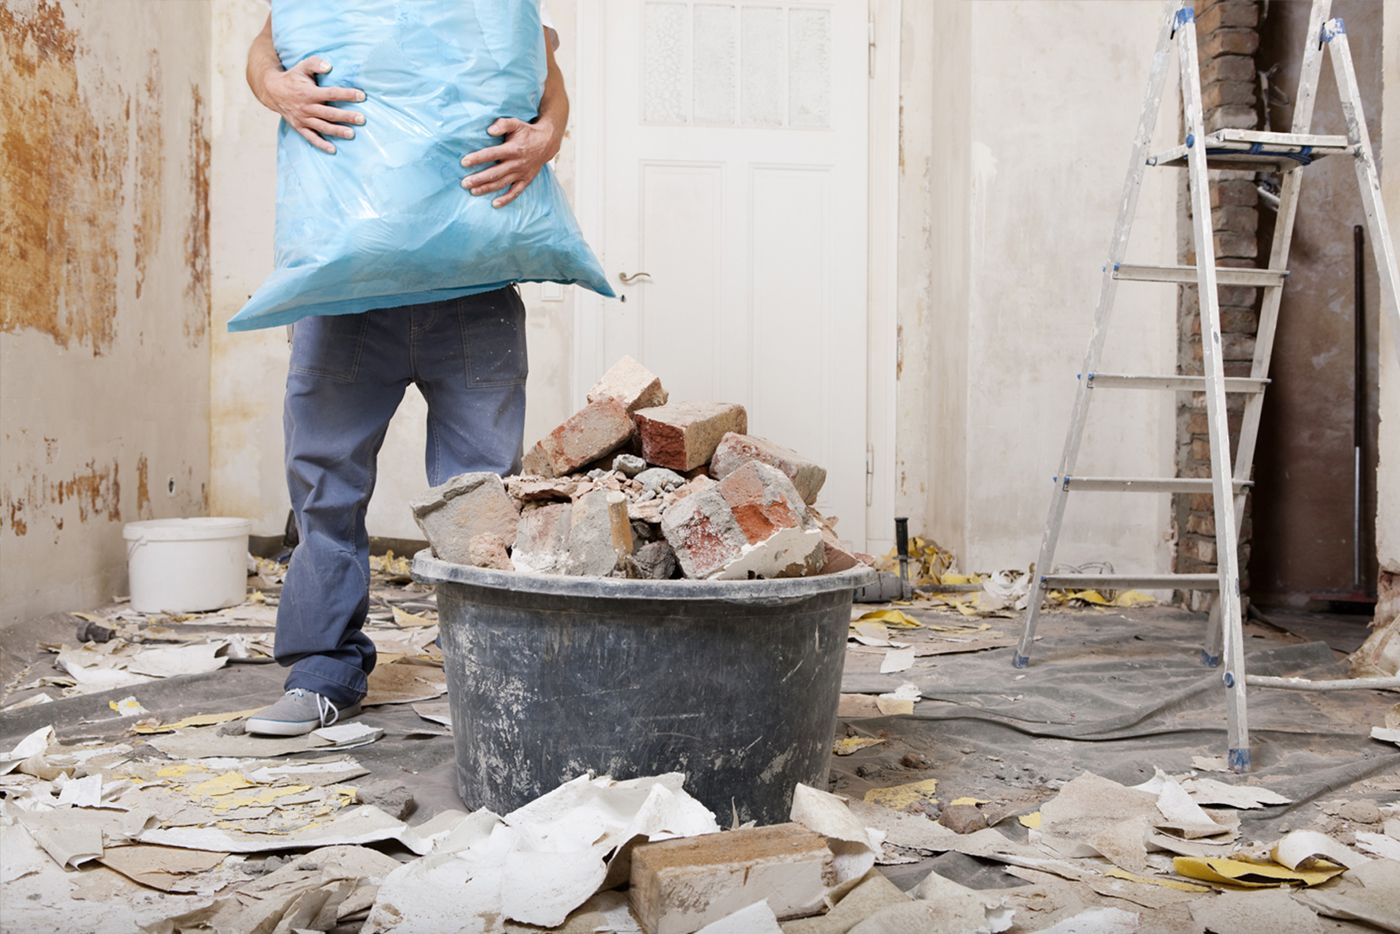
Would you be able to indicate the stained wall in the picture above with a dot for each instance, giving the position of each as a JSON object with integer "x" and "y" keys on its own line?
{"x": 104, "y": 288}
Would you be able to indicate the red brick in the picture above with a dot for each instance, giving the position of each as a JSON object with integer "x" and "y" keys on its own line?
{"x": 763, "y": 500}
{"x": 630, "y": 383}
{"x": 735, "y": 450}
{"x": 702, "y": 531}
{"x": 594, "y": 432}
{"x": 1242, "y": 14}
{"x": 1229, "y": 42}
{"x": 1228, "y": 68}
{"x": 1227, "y": 93}
{"x": 683, "y": 436}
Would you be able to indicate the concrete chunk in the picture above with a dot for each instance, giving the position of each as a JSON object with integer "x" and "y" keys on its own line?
{"x": 542, "y": 543}
{"x": 683, "y": 436}
{"x": 653, "y": 561}
{"x": 679, "y": 886}
{"x": 630, "y": 383}
{"x": 600, "y": 533}
{"x": 595, "y": 431}
{"x": 735, "y": 450}
{"x": 468, "y": 505}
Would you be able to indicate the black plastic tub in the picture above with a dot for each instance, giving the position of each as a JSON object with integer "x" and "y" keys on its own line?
{"x": 734, "y": 683}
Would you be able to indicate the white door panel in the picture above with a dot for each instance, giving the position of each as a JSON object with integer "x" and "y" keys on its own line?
{"x": 734, "y": 159}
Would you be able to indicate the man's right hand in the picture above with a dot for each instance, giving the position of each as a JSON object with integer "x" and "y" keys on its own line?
{"x": 305, "y": 105}
{"x": 294, "y": 93}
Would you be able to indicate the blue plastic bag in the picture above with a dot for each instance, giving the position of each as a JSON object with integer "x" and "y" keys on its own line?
{"x": 384, "y": 221}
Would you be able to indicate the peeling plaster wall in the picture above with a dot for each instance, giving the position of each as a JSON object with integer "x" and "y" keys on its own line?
{"x": 249, "y": 369}
{"x": 104, "y": 288}
{"x": 1012, "y": 183}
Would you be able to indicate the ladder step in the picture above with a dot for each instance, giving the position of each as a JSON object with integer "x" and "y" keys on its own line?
{"x": 1147, "y": 484}
{"x": 1186, "y": 275}
{"x": 1242, "y": 384}
{"x": 1130, "y": 581}
{"x": 1245, "y": 149}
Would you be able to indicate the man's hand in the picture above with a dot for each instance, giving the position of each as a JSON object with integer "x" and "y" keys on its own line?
{"x": 527, "y": 147}
{"x": 305, "y": 105}
{"x": 294, "y": 94}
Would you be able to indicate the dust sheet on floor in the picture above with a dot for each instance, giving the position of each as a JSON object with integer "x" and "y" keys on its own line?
{"x": 1084, "y": 793}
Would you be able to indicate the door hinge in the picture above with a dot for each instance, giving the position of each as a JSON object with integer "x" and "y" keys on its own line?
{"x": 870, "y": 40}
{"x": 869, "y": 474}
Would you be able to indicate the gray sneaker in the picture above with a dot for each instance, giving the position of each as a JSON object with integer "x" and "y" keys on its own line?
{"x": 297, "y": 713}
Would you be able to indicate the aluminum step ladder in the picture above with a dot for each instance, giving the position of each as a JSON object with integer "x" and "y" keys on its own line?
{"x": 1289, "y": 153}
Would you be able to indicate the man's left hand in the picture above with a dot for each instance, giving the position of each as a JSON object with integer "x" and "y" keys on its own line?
{"x": 527, "y": 147}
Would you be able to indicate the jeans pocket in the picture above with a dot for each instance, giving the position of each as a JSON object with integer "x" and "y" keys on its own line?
{"x": 493, "y": 339}
{"x": 329, "y": 346}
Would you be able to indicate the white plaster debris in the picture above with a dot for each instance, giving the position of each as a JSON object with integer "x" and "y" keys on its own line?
{"x": 897, "y": 660}
{"x": 853, "y": 844}
{"x": 538, "y": 863}
{"x": 757, "y": 918}
{"x": 1210, "y": 791}
{"x": 1302, "y": 846}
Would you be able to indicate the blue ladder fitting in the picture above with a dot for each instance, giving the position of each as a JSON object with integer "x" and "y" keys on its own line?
{"x": 1183, "y": 16}
{"x": 1228, "y": 679}
{"x": 1333, "y": 28}
{"x": 1117, "y": 266}
{"x": 1238, "y": 760}
{"x": 1209, "y": 660}
{"x": 1020, "y": 661}
{"x": 1190, "y": 140}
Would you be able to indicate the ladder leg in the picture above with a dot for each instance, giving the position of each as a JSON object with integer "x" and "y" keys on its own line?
{"x": 1334, "y": 35}
{"x": 1210, "y": 653}
{"x": 1226, "y": 534}
{"x": 1108, "y": 286}
{"x": 1305, "y": 99}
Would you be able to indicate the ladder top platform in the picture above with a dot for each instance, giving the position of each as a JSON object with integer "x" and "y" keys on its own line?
{"x": 1252, "y": 149}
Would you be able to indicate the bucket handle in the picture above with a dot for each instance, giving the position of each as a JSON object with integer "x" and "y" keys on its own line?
{"x": 134, "y": 544}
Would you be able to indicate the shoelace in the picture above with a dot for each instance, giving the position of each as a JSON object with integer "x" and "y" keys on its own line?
{"x": 327, "y": 711}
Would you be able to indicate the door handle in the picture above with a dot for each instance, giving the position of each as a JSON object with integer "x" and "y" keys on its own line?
{"x": 635, "y": 277}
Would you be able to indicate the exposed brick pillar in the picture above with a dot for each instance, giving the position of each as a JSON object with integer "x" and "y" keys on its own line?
{"x": 1228, "y": 36}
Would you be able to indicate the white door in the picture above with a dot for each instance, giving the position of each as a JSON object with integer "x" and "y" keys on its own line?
{"x": 733, "y": 156}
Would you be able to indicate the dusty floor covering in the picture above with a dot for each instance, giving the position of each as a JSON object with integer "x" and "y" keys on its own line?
{"x": 1116, "y": 692}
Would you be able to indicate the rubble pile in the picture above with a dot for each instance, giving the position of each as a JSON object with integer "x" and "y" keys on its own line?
{"x": 634, "y": 485}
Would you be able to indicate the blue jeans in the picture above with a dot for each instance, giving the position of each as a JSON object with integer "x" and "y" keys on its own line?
{"x": 348, "y": 374}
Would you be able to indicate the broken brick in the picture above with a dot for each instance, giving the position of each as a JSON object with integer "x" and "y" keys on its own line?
{"x": 630, "y": 383}
{"x": 702, "y": 530}
{"x": 542, "y": 543}
{"x": 735, "y": 450}
{"x": 679, "y": 886}
{"x": 763, "y": 501}
{"x": 468, "y": 505}
{"x": 595, "y": 431}
{"x": 600, "y": 533}
{"x": 489, "y": 550}
{"x": 683, "y": 436}
{"x": 542, "y": 489}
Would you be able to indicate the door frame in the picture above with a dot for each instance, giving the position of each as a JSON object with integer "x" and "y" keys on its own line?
{"x": 882, "y": 239}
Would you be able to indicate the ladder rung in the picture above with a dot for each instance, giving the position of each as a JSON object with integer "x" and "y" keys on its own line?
{"x": 1243, "y": 149}
{"x": 1186, "y": 275}
{"x": 1131, "y": 581}
{"x": 1147, "y": 484}
{"x": 1243, "y": 384}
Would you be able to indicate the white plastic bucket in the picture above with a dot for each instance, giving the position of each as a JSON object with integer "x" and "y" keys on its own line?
{"x": 187, "y": 565}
